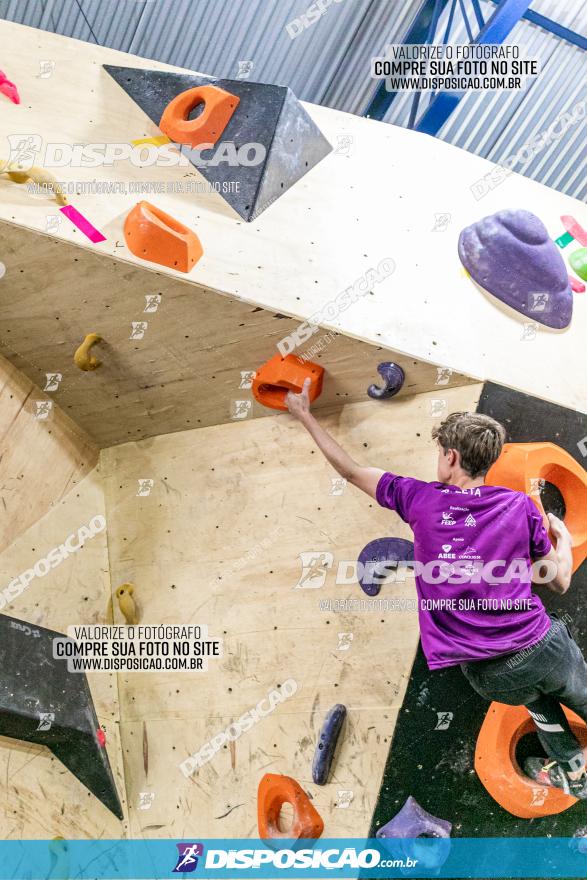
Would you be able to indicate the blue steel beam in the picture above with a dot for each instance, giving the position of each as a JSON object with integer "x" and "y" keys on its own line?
{"x": 451, "y": 15}
{"x": 557, "y": 29}
{"x": 553, "y": 27}
{"x": 418, "y": 31}
{"x": 496, "y": 29}
{"x": 466, "y": 21}
{"x": 478, "y": 13}
{"x": 438, "y": 7}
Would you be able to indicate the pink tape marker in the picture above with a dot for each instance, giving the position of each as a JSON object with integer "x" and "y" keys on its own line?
{"x": 576, "y": 285}
{"x": 82, "y": 224}
{"x": 8, "y": 88}
{"x": 575, "y": 229}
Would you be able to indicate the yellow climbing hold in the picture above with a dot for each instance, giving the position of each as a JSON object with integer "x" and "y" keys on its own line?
{"x": 83, "y": 357}
{"x": 126, "y": 603}
{"x": 157, "y": 141}
{"x": 39, "y": 176}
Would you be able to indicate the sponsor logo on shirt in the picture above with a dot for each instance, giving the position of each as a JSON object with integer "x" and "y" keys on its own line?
{"x": 470, "y": 553}
{"x": 446, "y": 554}
{"x": 470, "y": 520}
{"x": 454, "y": 507}
{"x": 447, "y": 519}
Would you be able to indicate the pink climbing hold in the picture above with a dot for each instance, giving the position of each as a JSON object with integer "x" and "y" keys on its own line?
{"x": 8, "y": 88}
{"x": 576, "y": 285}
{"x": 101, "y": 737}
{"x": 575, "y": 229}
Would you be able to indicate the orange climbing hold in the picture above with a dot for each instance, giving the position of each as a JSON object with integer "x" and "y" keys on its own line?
{"x": 282, "y": 374}
{"x": 153, "y": 235}
{"x": 206, "y": 128}
{"x": 275, "y": 791}
{"x": 497, "y": 767}
{"x": 521, "y": 466}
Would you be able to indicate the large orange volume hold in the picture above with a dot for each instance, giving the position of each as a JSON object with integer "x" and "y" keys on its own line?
{"x": 282, "y": 374}
{"x": 498, "y": 769}
{"x": 153, "y": 235}
{"x": 206, "y": 128}
{"x": 275, "y": 791}
{"x": 525, "y": 467}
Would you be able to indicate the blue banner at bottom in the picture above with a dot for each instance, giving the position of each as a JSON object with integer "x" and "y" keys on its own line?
{"x": 228, "y": 858}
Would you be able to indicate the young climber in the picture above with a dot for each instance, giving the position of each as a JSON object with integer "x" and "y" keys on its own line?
{"x": 474, "y": 547}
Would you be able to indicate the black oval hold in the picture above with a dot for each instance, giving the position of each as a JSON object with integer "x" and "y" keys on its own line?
{"x": 326, "y": 744}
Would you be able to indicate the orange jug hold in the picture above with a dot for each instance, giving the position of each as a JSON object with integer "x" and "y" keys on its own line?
{"x": 206, "y": 128}
{"x": 276, "y": 790}
{"x": 282, "y": 374}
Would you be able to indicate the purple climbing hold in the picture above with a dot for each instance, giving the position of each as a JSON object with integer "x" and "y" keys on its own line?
{"x": 413, "y": 821}
{"x": 511, "y": 256}
{"x": 326, "y": 745}
{"x": 378, "y": 558}
{"x": 394, "y": 378}
{"x": 578, "y": 841}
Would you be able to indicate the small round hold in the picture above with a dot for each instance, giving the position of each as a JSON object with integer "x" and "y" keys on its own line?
{"x": 394, "y": 378}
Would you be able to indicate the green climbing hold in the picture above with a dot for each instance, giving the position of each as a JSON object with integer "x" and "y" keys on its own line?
{"x": 578, "y": 260}
{"x": 564, "y": 239}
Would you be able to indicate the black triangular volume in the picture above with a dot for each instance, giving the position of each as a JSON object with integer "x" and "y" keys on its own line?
{"x": 267, "y": 115}
{"x": 42, "y": 702}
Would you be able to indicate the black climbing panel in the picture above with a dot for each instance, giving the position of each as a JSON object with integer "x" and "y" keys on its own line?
{"x": 41, "y": 702}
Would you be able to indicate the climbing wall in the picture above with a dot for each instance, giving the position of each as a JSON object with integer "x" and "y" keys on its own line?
{"x": 214, "y": 514}
{"x": 218, "y": 541}
{"x": 44, "y": 454}
{"x": 432, "y": 754}
{"x": 186, "y": 366}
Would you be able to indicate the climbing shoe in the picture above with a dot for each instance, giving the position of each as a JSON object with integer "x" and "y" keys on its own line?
{"x": 547, "y": 772}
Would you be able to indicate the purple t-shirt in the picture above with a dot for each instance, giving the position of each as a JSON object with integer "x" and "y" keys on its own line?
{"x": 474, "y": 550}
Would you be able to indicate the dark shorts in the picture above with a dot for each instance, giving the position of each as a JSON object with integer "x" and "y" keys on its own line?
{"x": 554, "y": 665}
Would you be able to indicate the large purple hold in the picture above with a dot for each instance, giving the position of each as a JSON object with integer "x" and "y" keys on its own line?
{"x": 413, "y": 821}
{"x": 376, "y": 559}
{"x": 510, "y": 255}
